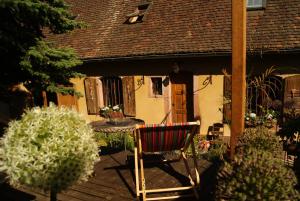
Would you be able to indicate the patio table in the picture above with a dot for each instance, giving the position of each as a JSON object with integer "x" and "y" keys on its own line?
{"x": 127, "y": 125}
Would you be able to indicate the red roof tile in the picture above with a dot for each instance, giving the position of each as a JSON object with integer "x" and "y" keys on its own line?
{"x": 177, "y": 26}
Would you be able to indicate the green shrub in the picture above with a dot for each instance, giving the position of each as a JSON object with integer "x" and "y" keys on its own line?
{"x": 290, "y": 128}
{"x": 115, "y": 140}
{"x": 259, "y": 138}
{"x": 256, "y": 176}
{"x": 215, "y": 152}
{"x": 49, "y": 148}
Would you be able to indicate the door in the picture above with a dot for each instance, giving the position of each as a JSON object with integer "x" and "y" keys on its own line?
{"x": 182, "y": 97}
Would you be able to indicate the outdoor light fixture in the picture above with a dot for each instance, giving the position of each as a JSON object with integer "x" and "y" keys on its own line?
{"x": 175, "y": 67}
{"x": 141, "y": 81}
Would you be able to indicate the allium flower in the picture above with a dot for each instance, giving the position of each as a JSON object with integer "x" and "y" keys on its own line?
{"x": 49, "y": 148}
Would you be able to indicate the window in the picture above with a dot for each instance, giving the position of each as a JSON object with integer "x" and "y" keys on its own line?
{"x": 138, "y": 14}
{"x": 156, "y": 86}
{"x": 256, "y": 4}
{"x": 112, "y": 91}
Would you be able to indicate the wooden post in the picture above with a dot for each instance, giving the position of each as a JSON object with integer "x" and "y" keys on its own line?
{"x": 238, "y": 71}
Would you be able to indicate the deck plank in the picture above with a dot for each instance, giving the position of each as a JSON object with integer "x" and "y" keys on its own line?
{"x": 113, "y": 181}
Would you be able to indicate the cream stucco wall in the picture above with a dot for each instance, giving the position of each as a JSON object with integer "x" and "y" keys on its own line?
{"x": 210, "y": 102}
{"x": 150, "y": 109}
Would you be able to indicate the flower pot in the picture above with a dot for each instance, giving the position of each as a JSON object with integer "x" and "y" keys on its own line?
{"x": 291, "y": 149}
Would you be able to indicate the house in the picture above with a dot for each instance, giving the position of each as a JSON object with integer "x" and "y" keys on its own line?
{"x": 164, "y": 60}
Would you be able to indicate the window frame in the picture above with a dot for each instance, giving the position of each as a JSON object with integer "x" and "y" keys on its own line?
{"x": 257, "y": 7}
{"x": 118, "y": 98}
{"x": 151, "y": 92}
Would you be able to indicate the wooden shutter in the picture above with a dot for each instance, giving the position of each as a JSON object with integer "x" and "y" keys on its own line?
{"x": 129, "y": 96}
{"x": 227, "y": 98}
{"x": 67, "y": 101}
{"x": 91, "y": 95}
{"x": 292, "y": 93}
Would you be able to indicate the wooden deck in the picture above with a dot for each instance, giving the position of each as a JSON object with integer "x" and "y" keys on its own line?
{"x": 114, "y": 181}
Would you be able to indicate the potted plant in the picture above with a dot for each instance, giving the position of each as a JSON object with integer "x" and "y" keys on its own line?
{"x": 290, "y": 134}
{"x": 49, "y": 149}
{"x": 114, "y": 114}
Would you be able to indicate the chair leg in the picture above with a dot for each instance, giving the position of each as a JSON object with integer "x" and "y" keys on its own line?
{"x": 189, "y": 174}
{"x": 136, "y": 168}
{"x": 195, "y": 163}
{"x": 143, "y": 182}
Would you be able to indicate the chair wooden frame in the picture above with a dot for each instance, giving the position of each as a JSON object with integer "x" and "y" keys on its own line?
{"x": 140, "y": 182}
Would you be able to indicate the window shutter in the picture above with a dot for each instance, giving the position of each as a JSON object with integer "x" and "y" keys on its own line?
{"x": 227, "y": 99}
{"x": 129, "y": 96}
{"x": 91, "y": 95}
{"x": 292, "y": 93}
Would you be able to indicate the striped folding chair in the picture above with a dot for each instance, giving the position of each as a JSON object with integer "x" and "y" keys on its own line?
{"x": 162, "y": 138}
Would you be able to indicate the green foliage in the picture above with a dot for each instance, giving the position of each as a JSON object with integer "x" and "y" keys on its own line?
{"x": 216, "y": 151}
{"x": 213, "y": 150}
{"x": 259, "y": 138}
{"x": 290, "y": 128}
{"x": 256, "y": 176}
{"x": 49, "y": 148}
{"x": 263, "y": 84}
{"x": 257, "y": 173}
{"x": 24, "y": 56}
{"x": 115, "y": 140}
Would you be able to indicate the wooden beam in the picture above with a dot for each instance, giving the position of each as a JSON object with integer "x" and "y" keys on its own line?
{"x": 238, "y": 71}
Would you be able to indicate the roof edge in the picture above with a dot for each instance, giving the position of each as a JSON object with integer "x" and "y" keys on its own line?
{"x": 187, "y": 55}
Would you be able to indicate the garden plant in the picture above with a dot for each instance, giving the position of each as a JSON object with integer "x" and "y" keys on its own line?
{"x": 257, "y": 172}
{"x": 49, "y": 149}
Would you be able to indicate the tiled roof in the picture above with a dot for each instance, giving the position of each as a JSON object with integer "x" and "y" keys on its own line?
{"x": 178, "y": 27}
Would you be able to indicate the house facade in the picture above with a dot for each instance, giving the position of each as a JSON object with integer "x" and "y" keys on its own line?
{"x": 169, "y": 61}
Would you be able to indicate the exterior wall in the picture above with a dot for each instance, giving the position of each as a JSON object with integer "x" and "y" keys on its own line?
{"x": 210, "y": 101}
{"x": 150, "y": 109}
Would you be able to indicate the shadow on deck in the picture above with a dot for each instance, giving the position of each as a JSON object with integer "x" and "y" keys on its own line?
{"x": 114, "y": 180}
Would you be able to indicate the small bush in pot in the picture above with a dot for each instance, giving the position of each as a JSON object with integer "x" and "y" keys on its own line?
{"x": 290, "y": 133}
{"x": 256, "y": 176}
{"x": 259, "y": 138}
{"x": 49, "y": 149}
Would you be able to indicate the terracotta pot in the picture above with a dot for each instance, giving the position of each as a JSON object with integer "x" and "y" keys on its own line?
{"x": 292, "y": 149}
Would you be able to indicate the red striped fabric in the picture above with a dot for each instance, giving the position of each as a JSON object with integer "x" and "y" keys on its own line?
{"x": 161, "y": 137}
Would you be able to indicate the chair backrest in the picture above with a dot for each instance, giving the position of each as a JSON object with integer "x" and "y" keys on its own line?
{"x": 166, "y": 137}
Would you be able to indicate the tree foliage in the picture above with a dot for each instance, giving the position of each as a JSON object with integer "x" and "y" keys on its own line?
{"x": 25, "y": 56}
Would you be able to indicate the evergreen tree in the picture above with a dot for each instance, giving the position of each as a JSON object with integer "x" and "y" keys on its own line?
{"x": 25, "y": 56}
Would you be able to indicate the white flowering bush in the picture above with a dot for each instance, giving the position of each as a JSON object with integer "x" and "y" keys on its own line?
{"x": 49, "y": 148}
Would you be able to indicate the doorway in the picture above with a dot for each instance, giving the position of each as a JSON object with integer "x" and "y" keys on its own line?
{"x": 182, "y": 97}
